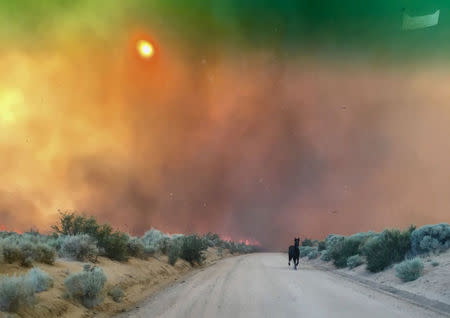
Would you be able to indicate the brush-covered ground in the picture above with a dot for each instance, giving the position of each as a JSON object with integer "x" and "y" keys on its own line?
{"x": 85, "y": 269}
{"x": 137, "y": 278}
{"x": 415, "y": 260}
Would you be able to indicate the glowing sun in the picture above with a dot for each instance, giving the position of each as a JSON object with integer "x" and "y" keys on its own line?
{"x": 145, "y": 49}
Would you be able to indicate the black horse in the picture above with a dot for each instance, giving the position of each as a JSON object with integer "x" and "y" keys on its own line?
{"x": 294, "y": 253}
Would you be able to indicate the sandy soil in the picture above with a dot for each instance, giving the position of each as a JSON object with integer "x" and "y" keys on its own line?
{"x": 434, "y": 284}
{"x": 261, "y": 285}
{"x": 138, "y": 278}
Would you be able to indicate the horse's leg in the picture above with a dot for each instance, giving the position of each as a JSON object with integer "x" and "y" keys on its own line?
{"x": 289, "y": 262}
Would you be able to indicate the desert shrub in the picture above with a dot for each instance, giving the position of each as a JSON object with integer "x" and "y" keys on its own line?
{"x": 321, "y": 246}
{"x": 332, "y": 239}
{"x": 343, "y": 249}
{"x": 305, "y": 250}
{"x": 27, "y": 250}
{"x": 325, "y": 256}
{"x": 11, "y": 253}
{"x": 24, "y": 250}
{"x": 15, "y": 291}
{"x": 26, "y": 262}
{"x": 111, "y": 244}
{"x": 307, "y": 242}
{"x": 213, "y": 239}
{"x": 72, "y": 224}
{"x": 409, "y": 270}
{"x": 244, "y": 248}
{"x": 173, "y": 254}
{"x": 435, "y": 263}
{"x": 39, "y": 279}
{"x": 174, "y": 249}
{"x": 44, "y": 254}
{"x": 235, "y": 247}
{"x": 135, "y": 248}
{"x": 191, "y": 249}
{"x": 115, "y": 246}
{"x": 240, "y": 248}
{"x": 313, "y": 254}
{"x": 155, "y": 241}
{"x": 86, "y": 286}
{"x": 354, "y": 261}
{"x": 116, "y": 293}
{"x": 387, "y": 248}
{"x": 79, "y": 247}
{"x": 430, "y": 238}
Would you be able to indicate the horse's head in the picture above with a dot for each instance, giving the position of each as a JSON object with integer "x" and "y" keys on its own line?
{"x": 297, "y": 241}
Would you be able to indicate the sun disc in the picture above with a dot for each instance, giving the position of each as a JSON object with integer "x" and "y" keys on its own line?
{"x": 145, "y": 49}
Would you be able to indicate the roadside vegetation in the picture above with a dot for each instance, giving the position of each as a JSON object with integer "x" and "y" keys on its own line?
{"x": 79, "y": 238}
{"x": 403, "y": 249}
{"x": 17, "y": 291}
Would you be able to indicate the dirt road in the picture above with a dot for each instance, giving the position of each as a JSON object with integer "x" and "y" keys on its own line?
{"x": 262, "y": 285}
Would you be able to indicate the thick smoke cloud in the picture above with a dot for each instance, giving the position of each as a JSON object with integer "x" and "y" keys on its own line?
{"x": 250, "y": 143}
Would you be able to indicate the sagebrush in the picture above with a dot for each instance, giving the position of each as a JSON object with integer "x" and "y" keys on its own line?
{"x": 354, "y": 261}
{"x": 430, "y": 238}
{"x": 87, "y": 285}
{"x": 17, "y": 291}
{"x": 390, "y": 247}
{"x": 409, "y": 270}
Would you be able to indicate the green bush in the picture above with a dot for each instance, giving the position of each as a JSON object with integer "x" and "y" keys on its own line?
{"x": 11, "y": 253}
{"x": 173, "y": 253}
{"x": 21, "y": 249}
{"x": 409, "y": 270}
{"x": 26, "y": 262}
{"x": 307, "y": 242}
{"x": 79, "y": 247}
{"x": 116, "y": 294}
{"x": 332, "y": 239}
{"x": 354, "y": 261}
{"x": 135, "y": 248}
{"x": 430, "y": 239}
{"x": 112, "y": 244}
{"x": 15, "y": 291}
{"x": 387, "y": 248}
{"x": 325, "y": 256}
{"x": 305, "y": 250}
{"x": 86, "y": 286}
{"x": 115, "y": 246}
{"x": 435, "y": 263}
{"x": 343, "y": 249}
{"x": 155, "y": 241}
{"x": 321, "y": 246}
{"x": 213, "y": 239}
{"x": 313, "y": 254}
{"x": 45, "y": 254}
{"x": 72, "y": 224}
{"x": 39, "y": 279}
{"x": 191, "y": 249}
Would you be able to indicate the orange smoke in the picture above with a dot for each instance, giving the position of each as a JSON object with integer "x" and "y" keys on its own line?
{"x": 248, "y": 145}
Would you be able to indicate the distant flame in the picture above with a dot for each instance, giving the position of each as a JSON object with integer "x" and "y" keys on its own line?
{"x": 242, "y": 241}
{"x": 3, "y": 228}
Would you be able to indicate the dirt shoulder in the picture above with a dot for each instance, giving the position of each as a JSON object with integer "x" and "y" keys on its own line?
{"x": 432, "y": 290}
{"x": 138, "y": 278}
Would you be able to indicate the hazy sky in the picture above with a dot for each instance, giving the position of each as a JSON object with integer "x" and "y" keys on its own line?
{"x": 259, "y": 120}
